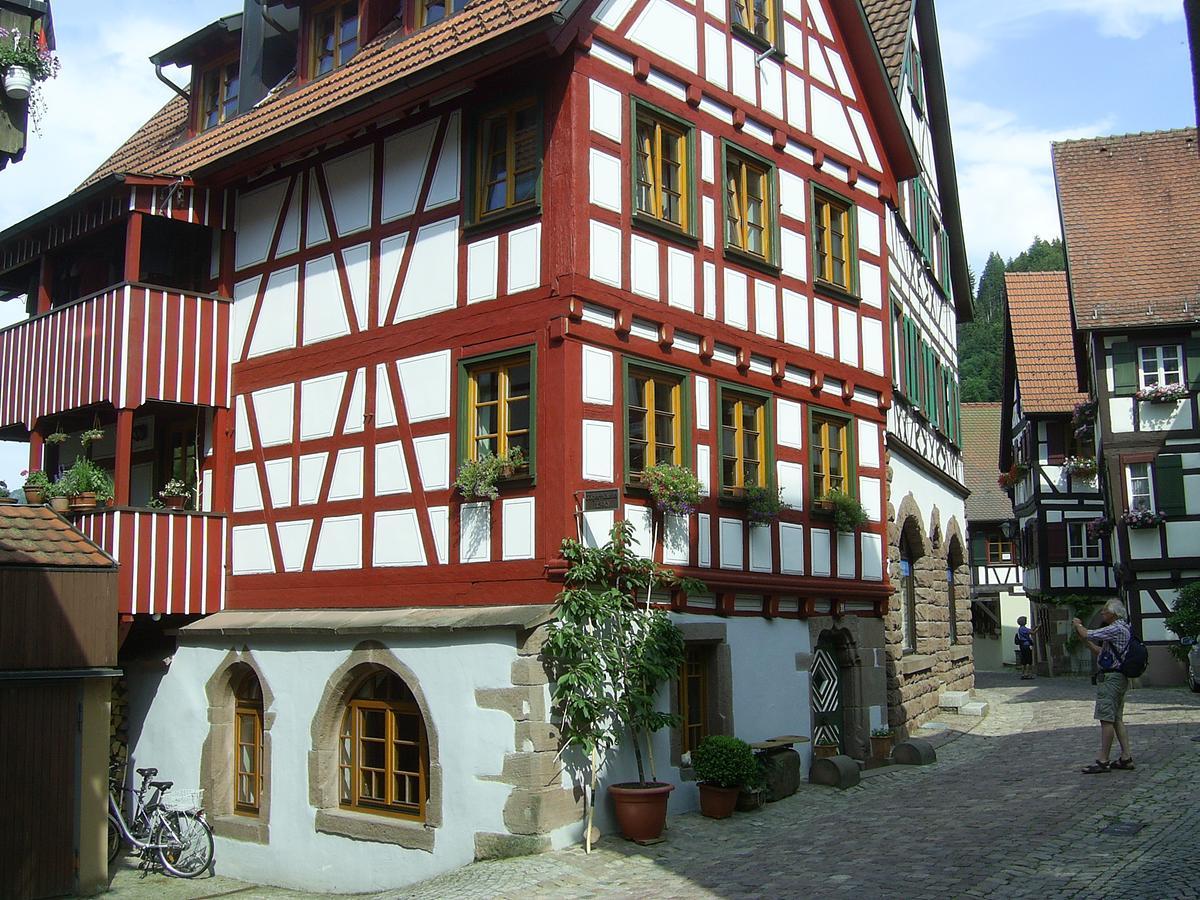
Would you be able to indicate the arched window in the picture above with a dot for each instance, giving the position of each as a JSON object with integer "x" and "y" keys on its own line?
{"x": 952, "y": 602}
{"x": 383, "y": 756}
{"x": 248, "y": 745}
{"x": 908, "y": 597}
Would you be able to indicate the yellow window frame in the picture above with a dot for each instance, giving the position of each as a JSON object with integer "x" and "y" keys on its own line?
{"x": 652, "y": 134}
{"x": 484, "y": 153}
{"x": 739, "y": 403}
{"x": 757, "y": 17}
{"x": 334, "y": 10}
{"x": 740, "y": 175}
{"x": 218, "y": 77}
{"x": 828, "y": 212}
{"x": 997, "y": 547}
{"x": 824, "y": 478}
{"x": 351, "y": 731}
{"x": 651, "y": 412}
{"x": 503, "y": 434}
{"x": 693, "y": 723}
{"x": 254, "y": 774}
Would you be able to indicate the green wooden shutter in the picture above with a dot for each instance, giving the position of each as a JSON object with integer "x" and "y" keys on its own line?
{"x": 978, "y": 549}
{"x": 945, "y": 273}
{"x": 1125, "y": 370}
{"x": 1193, "y": 363}
{"x": 1168, "y": 485}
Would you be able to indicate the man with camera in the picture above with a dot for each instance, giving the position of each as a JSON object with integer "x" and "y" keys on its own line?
{"x": 1110, "y": 643}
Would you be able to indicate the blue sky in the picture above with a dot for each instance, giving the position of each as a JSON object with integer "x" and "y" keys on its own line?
{"x": 1020, "y": 73}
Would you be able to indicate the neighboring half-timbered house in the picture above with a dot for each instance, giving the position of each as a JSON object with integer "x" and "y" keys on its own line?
{"x": 372, "y": 242}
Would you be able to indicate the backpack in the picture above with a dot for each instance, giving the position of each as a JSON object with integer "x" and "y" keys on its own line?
{"x": 1135, "y": 660}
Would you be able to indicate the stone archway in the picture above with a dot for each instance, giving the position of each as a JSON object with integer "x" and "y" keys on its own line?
{"x": 838, "y": 693}
{"x": 958, "y": 598}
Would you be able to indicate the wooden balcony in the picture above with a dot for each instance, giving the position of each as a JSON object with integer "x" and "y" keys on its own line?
{"x": 171, "y": 562}
{"x": 124, "y": 346}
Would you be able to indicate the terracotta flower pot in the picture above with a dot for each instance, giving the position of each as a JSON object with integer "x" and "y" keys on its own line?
{"x": 717, "y": 802}
{"x": 34, "y": 497}
{"x": 641, "y": 810}
{"x": 7, "y": 500}
{"x": 881, "y": 747}
{"x": 60, "y": 504}
{"x": 173, "y": 502}
{"x": 86, "y": 500}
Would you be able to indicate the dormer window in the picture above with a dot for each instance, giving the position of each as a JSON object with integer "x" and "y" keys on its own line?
{"x": 219, "y": 95}
{"x": 334, "y": 37}
{"x": 436, "y": 10}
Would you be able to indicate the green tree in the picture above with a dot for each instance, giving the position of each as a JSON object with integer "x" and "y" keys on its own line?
{"x": 1042, "y": 256}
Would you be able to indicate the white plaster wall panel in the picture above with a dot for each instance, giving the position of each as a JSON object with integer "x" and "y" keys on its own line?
{"x": 597, "y": 524}
{"x": 312, "y": 472}
{"x": 317, "y": 228}
{"x": 703, "y": 404}
{"x": 766, "y": 316}
{"x": 1182, "y": 539}
{"x": 793, "y": 37}
{"x": 273, "y": 410}
{"x": 610, "y": 56}
{"x": 760, "y": 132}
{"x": 612, "y": 12}
{"x": 820, "y": 20}
{"x": 708, "y": 153}
{"x": 247, "y": 495}
{"x": 439, "y": 524}
{"x": 257, "y": 215}
{"x": 872, "y": 345}
{"x": 289, "y": 235}
{"x": 1120, "y": 413}
{"x": 745, "y": 78}
{"x": 703, "y": 540}
{"x": 347, "y": 481}
{"x": 868, "y": 444}
{"x": 431, "y": 283}
{"x": 681, "y": 279}
{"x": 357, "y": 260}
{"x": 279, "y": 481}
{"x": 795, "y": 318}
{"x": 823, "y": 327}
{"x": 820, "y": 552}
{"x": 797, "y": 106}
{"x": 339, "y": 544}
{"x": 870, "y": 284}
{"x": 405, "y": 159}
{"x": 716, "y": 58}
{"x": 444, "y": 188}
{"x": 293, "y": 543}
{"x": 643, "y": 267}
{"x": 604, "y": 180}
{"x": 641, "y": 520}
{"x": 385, "y": 406}
{"x": 517, "y": 528}
{"x": 397, "y": 540}
{"x": 716, "y": 9}
{"x": 871, "y": 497}
{"x": 525, "y": 258}
{"x": 667, "y": 30}
{"x": 667, "y": 85}
{"x": 245, "y": 293}
{"x": 704, "y": 469}
{"x": 708, "y": 222}
{"x": 604, "y": 110}
{"x": 729, "y": 535}
{"x": 840, "y": 75}
{"x": 848, "y": 337}
{"x": 604, "y": 256}
{"x": 791, "y": 548}
{"x": 276, "y": 327}
{"x": 483, "y": 269}
{"x": 251, "y": 550}
{"x": 789, "y": 423}
{"x": 324, "y": 311}
{"x": 868, "y": 231}
{"x": 356, "y": 411}
{"x": 846, "y": 552}
{"x": 736, "y": 313}
{"x": 320, "y": 399}
{"x": 859, "y": 124}
{"x": 791, "y": 483}
{"x": 349, "y": 180}
{"x": 829, "y": 122}
{"x": 241, "y": 425}
{"x": 770, "y": 83}
{"x": 1164, "y": 416}
{"x": 676, "y": 551}
{"x": 710, "y": 290}
{"x": 792, "y": 196}
{"x": 475, "y": 533}
{"x": 1144, "y": 543}
{"x": 793, "y": 254}
{"x": 872, "y": 557}
{"x": 818, "y": 68}
{"x": 391, "y": 469}
{"x": 597, "y": 451}
{"x": 597, "y": 376}
{"x": 761, "y": 558}
{"x": 391, "y": 257}
{"x": 425, "y": 381}
{"x": 433, "y": 461}
{"x": 1191, "y": 494}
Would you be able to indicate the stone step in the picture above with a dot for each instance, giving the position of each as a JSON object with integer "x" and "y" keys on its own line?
{"x": 954, "y": 699}
{"x": 974, "y": 708}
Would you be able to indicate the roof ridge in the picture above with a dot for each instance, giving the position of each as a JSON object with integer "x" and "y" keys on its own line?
{"x": 1129, "y": 135}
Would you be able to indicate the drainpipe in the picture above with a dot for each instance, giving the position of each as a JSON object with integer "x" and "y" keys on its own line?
{"x": 169, "y": 83}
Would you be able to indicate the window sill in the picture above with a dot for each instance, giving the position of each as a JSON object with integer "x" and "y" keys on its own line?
{"x": 959, "y": 652}
{"x": 837, "y": 292}
{"x": 912, "y": 663}
{"x": 743, "y": 258}
{"x": 759, "y": 43}
{"x": 661, "y": 229}
{"x": 503, "y": 219}
{"x": 250, "y": 829}
{"x": 377, "y": 829}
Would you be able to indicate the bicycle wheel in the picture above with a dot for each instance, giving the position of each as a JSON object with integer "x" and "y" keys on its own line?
{"x": 114, "y": 839}
{"x": 188, "y": 843}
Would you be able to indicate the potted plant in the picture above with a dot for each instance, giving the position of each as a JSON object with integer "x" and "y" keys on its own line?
{"x": 174, "y": 493}
{"x": 753, "y": 794}
{"x": 86, "y": 482}
{"x": 1014, "y": 475}
{"x": 1084, "y": 413}
{"x": 1162, "y": 393}
{"x": 882, "y": 740}
{"x": 57, "y": 436}
{"x": 59, "y": 501}
{"x": 1099, "y": 527}
{"x": 5, "y": 495}
{"x": 25, "y": 62}
{"x": 1081, "y": 467}
{"x": 95, "y": 433}
{"x": 723, "y": 764}
{"x": 609, "y": 654}
{"x": 1142, "y": 518}
{"x": 37, "y": 486}
{"x": 476, "y": 478}
{"x": 674, "y": 489}
{"x": 763, "y": 505}
{"x": 848, "y": 513}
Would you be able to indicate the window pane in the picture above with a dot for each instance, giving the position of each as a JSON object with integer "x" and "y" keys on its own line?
{"x": 486, "y": 387}
{"x": 518, "y": 415}
{"x": 518, "y": 381}
{"x": 408, "y": 728}
{"x": 435, "y": 11}
{"x": 485, "y": 420}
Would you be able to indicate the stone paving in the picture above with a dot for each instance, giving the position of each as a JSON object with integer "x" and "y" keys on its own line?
{"x": 1005, "y": 813}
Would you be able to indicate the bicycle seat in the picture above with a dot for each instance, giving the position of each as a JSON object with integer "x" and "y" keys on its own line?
{"x": 147, "y": 773}
{"x": 161, "y": 785}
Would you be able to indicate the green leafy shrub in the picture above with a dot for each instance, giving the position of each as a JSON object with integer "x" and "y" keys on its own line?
{"x": 86, "y": 477}
{"x": 763, "y": 505}
{"x": 1184, "y": 619}
{"x": 724, "y": 761}
{"x": 848, "y": 513}
{"x": 477, "y": 478}
{"x": 37, "y": 480}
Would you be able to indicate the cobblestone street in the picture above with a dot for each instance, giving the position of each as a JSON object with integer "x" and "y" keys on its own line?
{"x": 1005, "y": 812}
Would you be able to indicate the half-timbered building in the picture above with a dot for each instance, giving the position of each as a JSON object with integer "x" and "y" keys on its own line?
{"x": 373, "y": 241}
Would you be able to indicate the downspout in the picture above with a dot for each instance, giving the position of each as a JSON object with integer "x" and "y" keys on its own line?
{"x": 169, "y": 83}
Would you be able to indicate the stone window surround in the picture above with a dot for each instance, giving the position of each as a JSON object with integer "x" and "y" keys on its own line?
{"x": 720, "y": 687}
{"x": 323, "y": 790}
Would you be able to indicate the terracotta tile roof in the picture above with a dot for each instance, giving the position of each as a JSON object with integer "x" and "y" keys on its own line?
{"x": 1039, "y": 313}
{"x": 155, "y": 148}
{"x": 981, "y": 460}
{"x": 1130, "y": 209}
{"x": 890, "y": 21}
{"x": 38, "y": 536}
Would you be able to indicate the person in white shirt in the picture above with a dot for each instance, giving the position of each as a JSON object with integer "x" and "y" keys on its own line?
{"x": 1110, "y": 643}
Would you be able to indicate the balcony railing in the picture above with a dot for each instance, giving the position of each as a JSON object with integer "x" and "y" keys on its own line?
{"x": 171, "y": 562}
{"x": 126, "y": 345}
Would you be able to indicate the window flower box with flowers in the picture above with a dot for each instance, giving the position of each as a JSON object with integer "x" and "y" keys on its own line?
{"x": 1084, "y": 413}
{"x": 763, "y": 505}
{"x": 675, "y": 490}
{"x": 1081, "y": 467}
{"x": 1014, "y": 476}
{"x": 1142, "y": 518}
{"x": 25, "y": 62}
{"x": 1162, "y": 393}
{"x": 1099, "y": 527}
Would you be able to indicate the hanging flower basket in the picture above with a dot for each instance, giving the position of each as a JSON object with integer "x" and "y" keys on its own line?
{"x": 1084, "y": 413}
{"x": 1142, "y": 518}
{"x": 1099, "y": 527}
{"x": 26, "y": 61}
{"x": 18, "y": 83}
{"x": 1081, "y": 467}
{"x": 1163, "y": 393}
{"x": 674, "y": 489}
{"x": 763, "y": 506}
{"x": 1013, "y": 476}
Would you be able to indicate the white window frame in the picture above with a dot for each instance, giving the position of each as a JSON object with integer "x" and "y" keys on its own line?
{"x": 1152, "y": 365}
{"x": 1085, "y": 548}
{"x": 1134, "y": 495}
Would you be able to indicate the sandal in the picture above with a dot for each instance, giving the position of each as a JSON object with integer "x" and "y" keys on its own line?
{"x": 1096, "y": 768}
{"x": 1126, "y": 764}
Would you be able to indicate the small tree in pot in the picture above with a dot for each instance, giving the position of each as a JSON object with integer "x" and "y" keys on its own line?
{"x": 724, "y": 765}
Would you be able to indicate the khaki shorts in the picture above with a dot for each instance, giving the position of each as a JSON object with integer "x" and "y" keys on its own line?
{"x": 1110, "y": 697}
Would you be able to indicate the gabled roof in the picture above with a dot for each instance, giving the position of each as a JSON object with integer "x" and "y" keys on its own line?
{"x": 981, "y": 461}
{"x": 891, "y": 21}
{"x": 1039, "y": 321}
{"x": 38, "y": 536}
{"x": 1130, "y": 209}
{"x": 180, "y": 53}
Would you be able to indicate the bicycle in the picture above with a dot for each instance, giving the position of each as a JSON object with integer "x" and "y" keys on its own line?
{"x": 181, "y": 838}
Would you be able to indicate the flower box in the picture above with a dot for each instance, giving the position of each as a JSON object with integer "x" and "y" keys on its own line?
{"x": 1162, "y": 393}
{"x": 1142, "y": 518}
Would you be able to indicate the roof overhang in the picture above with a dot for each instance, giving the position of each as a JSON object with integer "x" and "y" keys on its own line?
{"x": 182, "y": 53}
{"x": 353, "y": 622}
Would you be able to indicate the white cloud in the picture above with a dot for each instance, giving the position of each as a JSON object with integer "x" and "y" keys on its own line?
{"x": 1114, "y": 18}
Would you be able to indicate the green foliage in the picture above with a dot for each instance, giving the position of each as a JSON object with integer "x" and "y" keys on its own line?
{"x": 608, "y": 653}
{"x": 674, "y": 489}
{"x": 92, "y": 434}
{"x": 477, "y": 477}
{"x": 1082, "y": 608}
{"x": 763, "y": 505}
{"x": 1042, "y": 256}
{"x": 848, "y": 513}
{"x": 57, "y": 436}
{"x": 174, "y": 488}
{"x": 5, "y": 493}
{"x": 724, "y": 761}
{"x": 1184, "y": 619}
{"x": 37, "y": 480}
{"x": 17, "y": 49}
{"x": 881, "y": 732}
{"x": 85, "y": 477}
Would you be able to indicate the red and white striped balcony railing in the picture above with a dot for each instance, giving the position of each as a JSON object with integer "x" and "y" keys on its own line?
{"x": 170, "y": 562}
{"x": 126, "y": 345}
